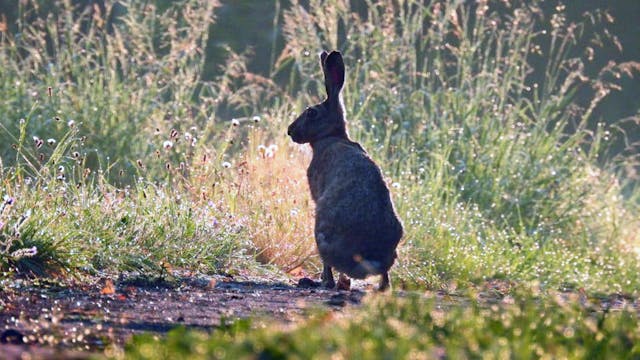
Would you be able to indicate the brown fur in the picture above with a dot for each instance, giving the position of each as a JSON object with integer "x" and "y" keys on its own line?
{"x": 357, "y": 229}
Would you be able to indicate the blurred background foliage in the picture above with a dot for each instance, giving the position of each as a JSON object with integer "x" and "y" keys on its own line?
{"x": 254, "y": 27}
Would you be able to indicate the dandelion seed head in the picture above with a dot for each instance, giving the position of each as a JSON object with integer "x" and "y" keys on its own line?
{"x": 226, "y": 164}
{"x": 167, "y": 145}
{"x": 235, "y": 122}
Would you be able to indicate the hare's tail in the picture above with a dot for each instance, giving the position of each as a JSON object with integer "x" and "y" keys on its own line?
{"x": 364, "y": 268}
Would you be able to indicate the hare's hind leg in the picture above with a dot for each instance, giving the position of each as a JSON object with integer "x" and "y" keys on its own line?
{"x": 327, "y": 277}
{"x": 344, "y": 283}
{"x": 385, "y": 283}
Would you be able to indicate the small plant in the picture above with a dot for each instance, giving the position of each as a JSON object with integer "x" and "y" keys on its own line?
{"x": 10, "y": 251}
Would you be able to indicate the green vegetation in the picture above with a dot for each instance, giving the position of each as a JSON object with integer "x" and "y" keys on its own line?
{"x": 418, "y": 328}
{"x": 116, "y": 155}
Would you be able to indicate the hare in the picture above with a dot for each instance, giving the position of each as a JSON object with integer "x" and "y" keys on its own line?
{"x": 357, "y": 229}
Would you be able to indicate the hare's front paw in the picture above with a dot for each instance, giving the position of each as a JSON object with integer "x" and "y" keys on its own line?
{"x": 327, "y": 278}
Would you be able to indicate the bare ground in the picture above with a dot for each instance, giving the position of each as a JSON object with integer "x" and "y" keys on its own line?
{"x": 50, "y": 320}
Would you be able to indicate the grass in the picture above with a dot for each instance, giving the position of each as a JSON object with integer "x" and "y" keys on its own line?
{"x": 115, "y": 155}
{"x": 417, "y": 327}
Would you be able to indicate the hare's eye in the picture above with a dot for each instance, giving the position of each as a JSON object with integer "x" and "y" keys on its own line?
{"x": 311, "y": 113}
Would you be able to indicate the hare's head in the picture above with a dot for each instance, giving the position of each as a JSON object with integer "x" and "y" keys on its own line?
{"x": 327, "y": 118}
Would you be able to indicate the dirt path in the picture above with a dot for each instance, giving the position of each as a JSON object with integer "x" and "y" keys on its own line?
{"x": 48, "y": 320}
{"x": 51, "y": 321}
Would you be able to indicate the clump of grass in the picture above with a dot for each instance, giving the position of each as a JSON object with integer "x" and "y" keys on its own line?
{"x": 274, "y": 195}
{"x": 417, "y": 327}
{"x": 77, "y": 222}
{"x": 13, "y": 252}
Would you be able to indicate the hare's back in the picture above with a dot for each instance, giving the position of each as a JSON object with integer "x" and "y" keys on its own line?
{"x": 355, "y": 198}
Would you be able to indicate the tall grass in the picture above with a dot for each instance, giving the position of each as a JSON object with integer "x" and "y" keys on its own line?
{"x": 104, "y": 117}
{"x": 59, "y": 217}
{"x": 125, "y": 77}
{"x": 493, "y": 175}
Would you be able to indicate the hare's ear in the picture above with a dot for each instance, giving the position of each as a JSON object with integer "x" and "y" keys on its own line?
{"x": 323, "y": 57}
{"x": 333, "y": 68}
